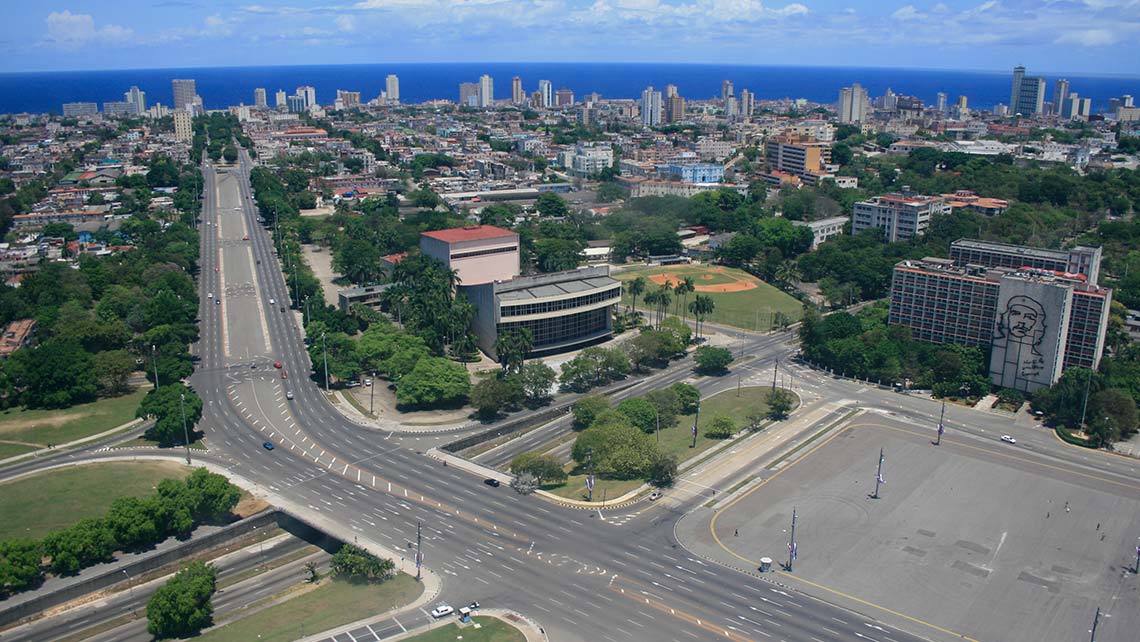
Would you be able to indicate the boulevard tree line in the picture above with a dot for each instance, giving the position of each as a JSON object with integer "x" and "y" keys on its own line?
{"x": 131, "y": 524}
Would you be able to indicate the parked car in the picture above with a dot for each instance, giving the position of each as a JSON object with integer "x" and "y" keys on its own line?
{"x": 441, "y": 611}
{"x": 284, "y": 374}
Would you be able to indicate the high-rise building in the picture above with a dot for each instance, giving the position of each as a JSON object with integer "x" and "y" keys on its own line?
{"x": 309, "y": 94}
{"x": 259, "y": 98}
{"x": 1060, "y": 95}
{"x": 183, "y": 126}
{"x": 137, "y": 99}
{"x": 1027, "y": 96}
{"x": 392, "y": 89}
{"x": 185, "y": 90}
{"x": 853, "y": 104}
{"x": 348, "y": 99}
{"x": 899, "y": 216}
{"x": 296, "y": 103}
{"x": 726, "y": 92}
{"x": 518, "y": 95}
{"x": 546, "y": 88}
{"x": 118, "y": 108}
{"x": 1036, "y": 322}
{"x": 563, "y": 97}
{"x": 1082, "y": 259}
{"x": 74, "y": 110}
{"x": 747, "y": 103}
{"x": 940, "y": 103}
{"x": 650, "y": 107}
{"x": 674, "y": 107}
{"x": 469, "y": 94}
{"x": 798, "y": 155}
{"x": 280, "y": 100}
{"x": 592, "y": 98}
{"x": 486, "y": 91}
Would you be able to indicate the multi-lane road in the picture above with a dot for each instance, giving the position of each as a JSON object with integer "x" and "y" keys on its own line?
{"x": 582, "y": 576}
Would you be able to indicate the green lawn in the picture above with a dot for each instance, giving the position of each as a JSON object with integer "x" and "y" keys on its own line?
{"x": 752, "y": 309}
{"x": 37, "y": 505}
{"x": 24, "y": 430}
{"x": 677, "y": 440}
{"x": 490, "y": 629}
{"x": 331, "y": 604}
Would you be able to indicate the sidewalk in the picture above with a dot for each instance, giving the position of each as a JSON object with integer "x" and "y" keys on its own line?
{"x": 71, "y": 444}
{"x": 354, "y": 414}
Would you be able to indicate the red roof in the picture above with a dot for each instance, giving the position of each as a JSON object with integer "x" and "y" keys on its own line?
{"x": 470, "y": 233}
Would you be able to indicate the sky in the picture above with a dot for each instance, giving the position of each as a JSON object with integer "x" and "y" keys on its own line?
{"x": 1073, "y": 36}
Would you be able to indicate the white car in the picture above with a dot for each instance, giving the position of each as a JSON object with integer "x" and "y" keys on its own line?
{"x": 1008, "y": 439}
{"x": 209, "y": 295}
{"x": 441, "y": 611}
{"x": 271, "y": 302}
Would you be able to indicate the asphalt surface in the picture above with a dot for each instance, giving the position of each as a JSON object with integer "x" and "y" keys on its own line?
{"x": 583, "y": 578}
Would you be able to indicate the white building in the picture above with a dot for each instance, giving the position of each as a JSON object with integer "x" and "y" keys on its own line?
{"x": 486, "y": 91}
{"x": 650, "y": 107}
{"x": 392, "y": 89}
{"x": 823, "y": 229}
{"x": 899, "y": 216}
{"x": 853, "y": 104}
{"x": 183, "y": 126}
{"x": 546, "y": 91}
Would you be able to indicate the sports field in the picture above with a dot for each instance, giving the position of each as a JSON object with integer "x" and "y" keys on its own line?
{"x": 742, "y": 300}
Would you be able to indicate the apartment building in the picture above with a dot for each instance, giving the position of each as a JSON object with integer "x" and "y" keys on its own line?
{"x": 899, "y": 216}
{"x": 966, "y": 200}
{"x": 798, "y": 155}
{"x": 823, "y": 229}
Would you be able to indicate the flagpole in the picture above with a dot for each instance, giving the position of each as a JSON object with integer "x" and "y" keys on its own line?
{"x": 878, "y": 475}
{"x": 792, "y": 542}
{"x": 942, "y": 416}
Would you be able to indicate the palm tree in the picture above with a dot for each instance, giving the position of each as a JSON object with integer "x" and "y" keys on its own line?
{"x": 512, "y": 346}
{"x": 652, "y": 297}
{"x": 664, "y": 298}
{"x": 700, "y": 307}
{"x": 636, "y": 287}
{"x": 683, "y": 289}
{"x": 788, "y": 273}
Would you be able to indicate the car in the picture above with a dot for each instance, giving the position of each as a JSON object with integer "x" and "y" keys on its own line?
{"x": 218, "y": 301}
{"x": 282, "y": 308}
{"x": 268, "y": 445}
{"x": 209, "y": 295}
{"x": 277, "y": 364}
{"x": 271, "y": 301}
{"x": 289, "y": 395}
{"x": 352, "y": 384}
{"x": 655, "y": 495}
{"x": 238, "y": 207}
{"x": 253, "y": 366}
{"x": 493, "y": 483}
{"x": 367, "y": 383}
{"x": 1008, "y": 439}
{"x": 259, "y": 261}
{"x": 441, "y": 610}
{"x": 245, "y": 238}
{"x": 284, "y": 375}
{"x": 473, "y": 606}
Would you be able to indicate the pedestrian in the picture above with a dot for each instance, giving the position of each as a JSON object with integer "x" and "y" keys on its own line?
{"x": 1046, "y": 515}
{"x": 735, "y": 532}
{"x": 1098, "y": 526}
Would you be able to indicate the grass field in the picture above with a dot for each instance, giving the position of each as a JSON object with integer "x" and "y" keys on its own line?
{"x": 677, "y": 440}
{"x": 37, "y": 505}
{"x": 329, "y": 605}
{"x": 746, "y": 302}
{"x": 26, "y": 430}
{"x": 490, "y": 629}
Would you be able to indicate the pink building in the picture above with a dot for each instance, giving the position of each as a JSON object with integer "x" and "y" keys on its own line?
{"x": 478, "y": 253}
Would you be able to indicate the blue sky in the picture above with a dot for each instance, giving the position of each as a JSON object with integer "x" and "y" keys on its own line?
{"x": 1090, "y": 36}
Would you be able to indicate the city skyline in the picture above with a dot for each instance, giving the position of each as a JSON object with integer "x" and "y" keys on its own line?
{"x": 1054, "y": 37}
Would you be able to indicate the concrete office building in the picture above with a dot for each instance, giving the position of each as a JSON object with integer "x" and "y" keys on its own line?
{"x": 650, "y": 107}
{"x": 1035, "y": 322}
{"x": 183, "y": 126}
{"x": 823, "y": 229}
{"x": 478, "y": 254}
{"x": 259, "y": 100}
{"x": 74, "y": 110}
{"x": 1082, "y": 260}
{"x": 392, "y": 89}
{"x": 563, "y": 310}
{"x": 853, "y": 104}
{"x": 348, "y": 99}
{"x": 1027, "y": 96}
{"x": 185, "y": 91}
{"x": 899, "y": 216}
{"x": 518, "y": 95}
{"x": 694, "y": 173}
{"x": 137, "y": 99}
{"x": 726, "y": 91}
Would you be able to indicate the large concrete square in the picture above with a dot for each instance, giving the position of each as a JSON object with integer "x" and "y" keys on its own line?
{"x": 985, "y": 540}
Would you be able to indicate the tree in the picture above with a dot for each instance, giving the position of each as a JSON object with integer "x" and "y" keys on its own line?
{"x": 19, "y": 565}
{"x": 688, "y": 397}
{"x": 780, "y": 402}
{"x": 663, "y": 470}
{"x": 636, "y": 288}
{"x": 614, "y": 447}
{"x": 551, "y": 205}
{"x": 537, "y": 380}
{"x": 512, "y": 346}
{"x": 713, "y": 360}
{"x": 312, "y": 573}
{"x": 182, "y": 607}
{"x": 1112, "y": 414}
{"x": 701, "y": 307}
{"x": 230, "y": 153}
{"x": 56, "y": 374}
{"x": 525, "y": 484}
{"x": 85, "y": 543}
{"x": 356, "y": 563}
{"x": 342, "y": 354}
{"x": 610, "y": 192}
{"x": 211, "y": 496}
{"x": 686, "y": 287}
{"x": 640, "y": 412}
{"x": 113, "y": 369}
{"x": 546, "y": 469}
{"x": 721, "y": 427}
{"x": 434, "y": 381}
{"x": 166, "y": 406}
{"x": 587, "y": 409}
{"x": 557, "y": 255}
{"x": 494, "y": 394}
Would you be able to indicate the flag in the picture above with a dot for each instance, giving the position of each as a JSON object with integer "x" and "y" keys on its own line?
{"x": 794, "y": 549}
{"x": 590, "y": 482}
{"x": 694, "y": 429}
{"x": 419, "y": 559}
{"x": 879, "y": 478}
{"x": 940, "y": 429}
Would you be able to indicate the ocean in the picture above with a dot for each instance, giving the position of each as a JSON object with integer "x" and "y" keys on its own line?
{"x": 224, "y": 86}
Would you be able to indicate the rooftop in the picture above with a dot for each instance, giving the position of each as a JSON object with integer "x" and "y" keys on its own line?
{"x": 470, "y": 233}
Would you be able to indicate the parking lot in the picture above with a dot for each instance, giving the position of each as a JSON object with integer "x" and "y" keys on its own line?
{"x": 976, "y": 537}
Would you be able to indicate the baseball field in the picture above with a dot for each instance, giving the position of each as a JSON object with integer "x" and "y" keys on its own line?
{"x": 741, "y": 300}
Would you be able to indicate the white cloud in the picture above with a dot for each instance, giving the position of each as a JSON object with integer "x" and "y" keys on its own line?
{"x": 68, "y": 30}
{"x": 1088, "y": 38}
{"x": 909, "y": 12}
{"x": 345, "y": 23}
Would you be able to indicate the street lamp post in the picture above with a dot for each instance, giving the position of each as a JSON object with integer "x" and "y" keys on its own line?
{"x": 372, "y": 394}
{"x": 775, "y": 372}
{"x": 325, "y": 347}
{"x": 185, "y": 431}
{"x": 792, "y": 552}
{"x": 696, "y": 420}
{"x": 154, "y": 360}
{"x": 130, "y": 590}
{"x": 942, "y": 416}
{"x": 878, "y": 475}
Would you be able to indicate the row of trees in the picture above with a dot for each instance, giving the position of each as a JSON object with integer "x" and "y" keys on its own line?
{"x": 131, "y": 524}
{"x": 182, "y": 607}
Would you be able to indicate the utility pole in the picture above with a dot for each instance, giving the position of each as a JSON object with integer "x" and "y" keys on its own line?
{"x": 1085, "y": 405}
{"x": 372, "y": 394}
{"x": 419, "y": 552}
{"x": 1137, "y": 569}
{"x": 185, "y": 431}
{"x": 1096, "y": 620}
{"x": 696, "y": 419}
{"x": 775, "y": 372}
{"x": 590, "y": 474}
{"x": 942, "y": 416}
{"x": 154, "y": 360}
{"x": 325, "y": 346}
{"x": 878, "y": 475}
{"x": 792, "y": 542}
